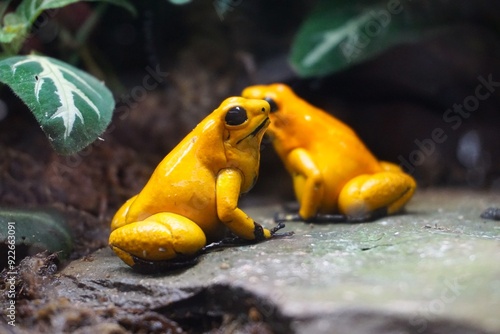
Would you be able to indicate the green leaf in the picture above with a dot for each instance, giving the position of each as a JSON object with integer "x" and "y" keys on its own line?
{"x": 13, "y": 32}
{"x": 4, "y": 5}
{"x": 72, "y": 107}
{"x": 17, "y": 25}
{"x": 338, "y": 34}
{"x": 7, "y": 37}
{"x": 35, "y": 230}
{"x": 31, "y": 9}
{"x": 180, "y": 2}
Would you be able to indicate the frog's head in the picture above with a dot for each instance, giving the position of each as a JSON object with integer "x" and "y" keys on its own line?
{"x": 245, "y": 121}
{"x": 284, "y": 110}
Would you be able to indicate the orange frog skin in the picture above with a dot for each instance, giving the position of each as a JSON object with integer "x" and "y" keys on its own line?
{"x": 332, "y": 170}
{"x": 192, "y": 196}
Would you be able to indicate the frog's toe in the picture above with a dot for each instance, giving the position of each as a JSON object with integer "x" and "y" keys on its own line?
{"x": 161, "y": 237}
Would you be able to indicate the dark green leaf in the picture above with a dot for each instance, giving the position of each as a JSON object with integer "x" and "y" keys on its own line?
{"x": 338, "y": 34}
{"x": 35, "y": 230}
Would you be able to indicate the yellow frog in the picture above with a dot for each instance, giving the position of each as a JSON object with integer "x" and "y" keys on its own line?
{"x": 332, "y": 170}
{"x": 192, "y": 196}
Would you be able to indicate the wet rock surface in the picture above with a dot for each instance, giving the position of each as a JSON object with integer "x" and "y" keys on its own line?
{"x": 433, "y": 269}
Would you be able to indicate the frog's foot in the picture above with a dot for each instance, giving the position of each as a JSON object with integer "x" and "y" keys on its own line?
{"x": 376, "y": 195}
{"x": 281, "y": 217}
{"x": 329, "y": 218}
{"x": 278, "y": 227}
{"x": 162, "y": 241}
{"x": 234, "y": 240}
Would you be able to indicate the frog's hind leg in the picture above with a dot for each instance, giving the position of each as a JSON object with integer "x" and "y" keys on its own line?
{"x": 373, "y": 195}
{"x": 120, "y": 217}
{"x": 162, "y": 241}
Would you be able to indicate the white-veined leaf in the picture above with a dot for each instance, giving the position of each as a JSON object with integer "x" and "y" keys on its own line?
{"x": 72, "y": 107}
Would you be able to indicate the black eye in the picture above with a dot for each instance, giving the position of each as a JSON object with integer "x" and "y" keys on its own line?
{"x": 272, "y": 103}
{"x": 236, "y": 116}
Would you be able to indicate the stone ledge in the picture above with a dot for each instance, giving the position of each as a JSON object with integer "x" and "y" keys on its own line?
{"x": 433, "y": 269}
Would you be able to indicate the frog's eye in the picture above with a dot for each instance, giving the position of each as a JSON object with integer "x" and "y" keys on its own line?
{"x": 236, "y": 116}
{"x": 272, "y": 104}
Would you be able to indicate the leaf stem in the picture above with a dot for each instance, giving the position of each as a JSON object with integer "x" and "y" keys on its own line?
{"x": 89, "y": 25}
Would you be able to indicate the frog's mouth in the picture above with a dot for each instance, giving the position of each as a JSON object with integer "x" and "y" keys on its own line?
{"x": 256, "y": 130}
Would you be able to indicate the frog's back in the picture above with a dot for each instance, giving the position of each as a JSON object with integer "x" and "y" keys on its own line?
{"x": 182, "y": 184}
{"x": 336, "y": 146}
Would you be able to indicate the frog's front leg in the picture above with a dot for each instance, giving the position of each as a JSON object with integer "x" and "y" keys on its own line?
{"x": 308, "y": 182}
{"x": 228, "y": 187}
{"x": 382, "y": 193}
{"x": 159, "y": 238}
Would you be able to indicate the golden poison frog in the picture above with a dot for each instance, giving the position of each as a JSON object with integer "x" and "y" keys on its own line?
{"x": 332, "y": 170}
{"x": 192, "y": 196}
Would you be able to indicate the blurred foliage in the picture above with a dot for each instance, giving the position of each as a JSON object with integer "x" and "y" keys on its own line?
{"x": 180, "y": 2}
{"x": 17, "y": 24}
{"x": 32, "y": 231}
{"x": 339, "y": 34}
